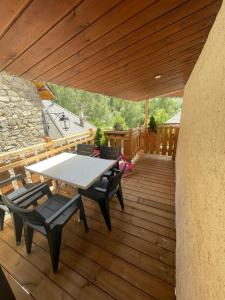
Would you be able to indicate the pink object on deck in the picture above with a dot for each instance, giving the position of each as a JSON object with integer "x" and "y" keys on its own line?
{"x": 129, "y": 166}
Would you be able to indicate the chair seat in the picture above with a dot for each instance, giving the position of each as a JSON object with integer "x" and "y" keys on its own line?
{"x": 108, "y": 173}
{"x": 92, "y": 193}
{"x": 52, "y": 205}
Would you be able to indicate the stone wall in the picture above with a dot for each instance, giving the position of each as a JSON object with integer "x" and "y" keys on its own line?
{"x": 20, "y": 113}
{"x": 200, "y": 175}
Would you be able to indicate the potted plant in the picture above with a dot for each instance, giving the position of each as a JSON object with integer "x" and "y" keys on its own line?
{"x": 118, "y": 126}
{"x": 152, "y": 126}
{"x": 152, "y": 130}
{"x": 98, "y": 138}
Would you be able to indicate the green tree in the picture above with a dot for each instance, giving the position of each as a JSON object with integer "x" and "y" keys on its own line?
{"x": 104, "y": 111}
{"x": 152, "y": 127}
{"x": 98, "y": 137}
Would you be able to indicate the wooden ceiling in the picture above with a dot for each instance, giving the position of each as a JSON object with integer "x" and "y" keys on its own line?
{"x": 113, "y": 47}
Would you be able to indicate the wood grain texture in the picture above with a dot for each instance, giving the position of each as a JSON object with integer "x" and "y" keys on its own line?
{"x": 134, "y": 261}
{"x": 113, "y": 47}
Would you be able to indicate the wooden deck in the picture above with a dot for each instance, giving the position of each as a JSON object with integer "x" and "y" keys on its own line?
{"x": 135, "y": 261}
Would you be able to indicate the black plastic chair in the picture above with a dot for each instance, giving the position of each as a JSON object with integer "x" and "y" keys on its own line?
{"x": 103, "y": 191}
{"x": 6, "y": 291}
{"x": 49, "y": 219}
{"x": 112, "y": 153}
{"x": 109, "y": 152}
{"x": 85, "y": 149}
{"x": 21, "y": 191}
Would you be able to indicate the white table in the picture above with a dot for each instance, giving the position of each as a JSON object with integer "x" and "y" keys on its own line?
{"x": 79, "y": 170}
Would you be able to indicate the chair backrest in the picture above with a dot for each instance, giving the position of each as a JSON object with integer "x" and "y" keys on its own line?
{"x": 84, "y": 149}
{"x": 110, "y": 152}
{"x": 114, "y": 182}
{"x": 6, "y": 185}
{"x": 30, "y": 216}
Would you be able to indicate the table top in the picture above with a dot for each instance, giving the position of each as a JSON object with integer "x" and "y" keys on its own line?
{"x": 79, "y": 170}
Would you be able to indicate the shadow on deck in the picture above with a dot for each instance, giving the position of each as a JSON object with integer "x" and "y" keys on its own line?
{"x": 134, "y": 261}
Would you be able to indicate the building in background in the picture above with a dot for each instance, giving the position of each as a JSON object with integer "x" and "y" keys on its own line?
{"x": 175, "y": 120}
{"x": 60, "y": 122}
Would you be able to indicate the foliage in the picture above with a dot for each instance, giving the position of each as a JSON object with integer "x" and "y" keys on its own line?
{"x": 104, "y": 112}
{"x": 152, "y": 126}
{"x": 164, "y": 108}
{"x": 119, "y": 122}
{"x": 98, "y": 137}
{"x": 118, "y": 127}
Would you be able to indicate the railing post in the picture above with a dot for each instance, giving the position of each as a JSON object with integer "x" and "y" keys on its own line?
{"x": 146, "y": 140}
{"x": 175, "y": 143}
{"x": 91, "y": 134}
{"x": 49, "y": 143}
{"x": 128, "y": 146}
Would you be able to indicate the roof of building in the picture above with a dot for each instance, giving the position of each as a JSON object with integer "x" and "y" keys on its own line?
{"x": 51, "y": 109}
{"x": 175, "y": 119}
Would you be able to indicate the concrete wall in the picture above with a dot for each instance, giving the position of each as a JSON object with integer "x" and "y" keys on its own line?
{"x": 20, "y": 113}
{"x": 200, "y": 191}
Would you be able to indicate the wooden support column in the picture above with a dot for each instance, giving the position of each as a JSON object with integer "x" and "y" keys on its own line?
{"x": 146, "y": 134}
{"x": 146, "y": 113}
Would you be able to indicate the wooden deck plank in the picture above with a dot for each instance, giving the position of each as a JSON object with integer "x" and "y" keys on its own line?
{"x": 77, "y": 286}
{"x": 134, "y": 261}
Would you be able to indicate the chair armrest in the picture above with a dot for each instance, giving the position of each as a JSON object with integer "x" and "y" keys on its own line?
{"x": 16, "y": 177}
{"x": 100, "y": 189}
{"x": 39, "y": 191}
{"x": 62, "y": 209}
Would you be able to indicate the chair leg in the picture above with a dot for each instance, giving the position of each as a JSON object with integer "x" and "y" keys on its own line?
{"x": 2, "y": 218}
{"x": 54, "y": 241}
{"x": 28, "y": 232}
{"x": 120, "y": 197}
{"x": 18, "y": 224}
{"x": 83, "y": 217}
{"x": 104, "y": 206}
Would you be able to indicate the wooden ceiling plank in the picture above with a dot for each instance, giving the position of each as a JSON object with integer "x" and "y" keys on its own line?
{"x": 75, "y": 46}
{"x": 80, "y": 18}
{"x": 9, "y": 12}
{"x": 140, "y": 93}
{"x": 187, "y": 58}
{"x": 104, "y": 23}
{"x": 35, "y": 21}
{"x": 114, "y": 47}
{"x": 146, "y": 61}
{"x": 148, "y": 75}
{"x": 163, "y": 38}
{"x": 182, "y": 16}
{"x": 173, "y": 41}
{"x": 171, "y": 72}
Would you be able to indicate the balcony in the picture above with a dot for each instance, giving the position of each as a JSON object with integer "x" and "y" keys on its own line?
{"x": 134, "y": 261}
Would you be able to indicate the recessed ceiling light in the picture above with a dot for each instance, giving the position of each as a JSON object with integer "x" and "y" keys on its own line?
{"x": 158, "y": 76}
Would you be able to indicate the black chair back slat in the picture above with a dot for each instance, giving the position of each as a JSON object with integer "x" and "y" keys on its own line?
{"x": 84, "y": 149}
{"x": 114, "y": 183}
{"x": 110, "y": 152}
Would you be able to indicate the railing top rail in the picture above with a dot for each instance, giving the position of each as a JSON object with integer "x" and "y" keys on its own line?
{"x": 44, "y": 145}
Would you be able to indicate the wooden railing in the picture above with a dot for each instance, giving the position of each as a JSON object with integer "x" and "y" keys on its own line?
{"x": 13, "y": 162}
{"x": 133, "y": 141}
